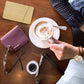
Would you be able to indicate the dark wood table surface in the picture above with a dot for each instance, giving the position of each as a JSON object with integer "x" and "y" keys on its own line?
{"x": 48, "y": 73}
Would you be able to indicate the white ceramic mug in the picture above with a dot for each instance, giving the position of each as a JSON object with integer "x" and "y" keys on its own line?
{"x": 50, "y": 30}
{"x": 32, "y": 67}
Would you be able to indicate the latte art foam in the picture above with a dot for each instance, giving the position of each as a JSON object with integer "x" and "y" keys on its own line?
{"x": 44, "y": 31}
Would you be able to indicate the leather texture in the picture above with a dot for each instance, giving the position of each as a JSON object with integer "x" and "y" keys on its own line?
{"x": 16, "y": 38}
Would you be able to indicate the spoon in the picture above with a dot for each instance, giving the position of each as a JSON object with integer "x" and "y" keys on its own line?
{"x": 61, "y": 27}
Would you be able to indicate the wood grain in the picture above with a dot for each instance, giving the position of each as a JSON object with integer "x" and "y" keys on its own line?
{"x": 48, "y": 73}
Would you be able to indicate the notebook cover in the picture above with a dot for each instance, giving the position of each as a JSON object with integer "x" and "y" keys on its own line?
{"x": 18, "y": 12}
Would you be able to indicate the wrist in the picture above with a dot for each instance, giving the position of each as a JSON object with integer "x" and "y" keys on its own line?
{"x": 76, "y": 51}
{"x": 79, "y": 55}
{"x": 81, "y": 52}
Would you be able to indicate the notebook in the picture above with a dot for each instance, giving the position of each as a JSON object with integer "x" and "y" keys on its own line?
{"x": 18, "y": 12}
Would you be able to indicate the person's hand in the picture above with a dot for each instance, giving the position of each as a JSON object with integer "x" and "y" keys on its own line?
{"x": 63, "y": 50}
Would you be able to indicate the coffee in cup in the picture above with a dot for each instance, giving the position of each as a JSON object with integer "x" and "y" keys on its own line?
{"x": 32, "y": 67}
{"x": 43, "y": 30}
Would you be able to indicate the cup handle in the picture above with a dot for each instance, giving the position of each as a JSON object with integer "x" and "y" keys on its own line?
{"x": 51, "y": 40}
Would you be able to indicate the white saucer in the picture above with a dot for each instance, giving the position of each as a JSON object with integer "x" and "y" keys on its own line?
{"x": 38, "y": 43}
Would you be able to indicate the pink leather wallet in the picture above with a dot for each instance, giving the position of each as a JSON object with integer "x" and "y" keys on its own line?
{"x": 15, "y": 38}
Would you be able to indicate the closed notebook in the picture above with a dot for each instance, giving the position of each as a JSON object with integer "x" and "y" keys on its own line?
{"x": 18, "y": 12}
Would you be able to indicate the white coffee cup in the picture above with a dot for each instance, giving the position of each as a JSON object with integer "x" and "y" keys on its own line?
{"x": 44, "y": 31}
{"x": 32, "y": 67}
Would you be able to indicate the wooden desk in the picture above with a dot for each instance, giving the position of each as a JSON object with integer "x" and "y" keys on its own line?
{"x": 48, "y": 73}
